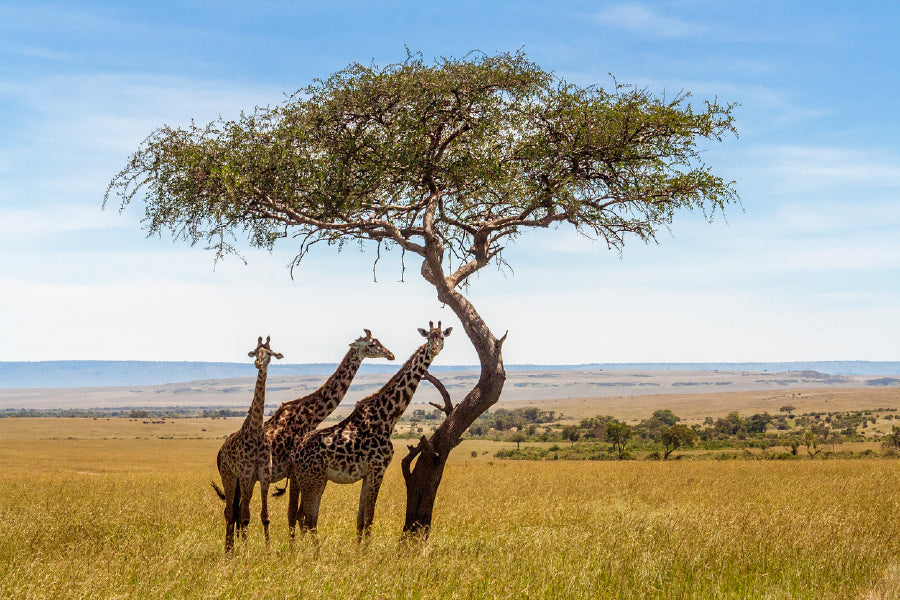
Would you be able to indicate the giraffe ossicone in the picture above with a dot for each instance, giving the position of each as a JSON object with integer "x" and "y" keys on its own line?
{"x": 359, "y": 447}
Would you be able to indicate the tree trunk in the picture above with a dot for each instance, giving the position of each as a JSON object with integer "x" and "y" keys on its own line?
{"x": 423, "y": 480}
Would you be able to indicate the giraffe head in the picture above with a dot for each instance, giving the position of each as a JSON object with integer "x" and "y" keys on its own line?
{"x": 263, "y": 353}
{"x": 369, "y": 347}
{"x": 435, "y": 336}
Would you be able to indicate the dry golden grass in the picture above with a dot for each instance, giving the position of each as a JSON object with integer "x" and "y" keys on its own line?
{"x": 116, "y": 428}
{"x": 120, "y": 514}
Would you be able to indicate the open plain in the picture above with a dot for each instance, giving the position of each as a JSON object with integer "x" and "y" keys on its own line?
{"x": 122, "y": 508}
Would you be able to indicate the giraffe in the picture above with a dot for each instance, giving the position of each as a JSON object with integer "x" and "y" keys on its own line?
{"x": 359, "y": 447}
{"x": 298, "y": 417}
{"x": 246, "y": 457}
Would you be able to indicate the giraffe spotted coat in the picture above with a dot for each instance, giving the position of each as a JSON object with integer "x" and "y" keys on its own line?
{"x": 359, "y": 447}
{"x": 245, "y": 457}
{"x": 298, "y": 417}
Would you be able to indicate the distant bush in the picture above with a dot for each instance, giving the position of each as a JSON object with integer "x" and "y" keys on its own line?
{"x": 884, "y": 381}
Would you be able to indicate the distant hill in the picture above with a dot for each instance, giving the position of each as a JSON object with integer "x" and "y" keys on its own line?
{"x": 88, "y": 373}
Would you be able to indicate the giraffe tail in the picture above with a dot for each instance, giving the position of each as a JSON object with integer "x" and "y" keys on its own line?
{"x": 219, "y": 490}
{"x": 279, "y": 491}
{"x": 236, "y": 501}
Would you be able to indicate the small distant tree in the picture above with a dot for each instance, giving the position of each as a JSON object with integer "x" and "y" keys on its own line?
{"x": 595, "y": 427}
{"x": 676, "y": 436}
{"x": 571, "y": 433}
{"x": 834, "y": 438}
{"x": 758, "y": 423}
{"x": 665, "y": 416}
{"x": 821, "y": 430}
{"x": 892, "y": 440}
{"x": 731, "y": 425}
{"x": 518, "y": 438}
{"x": 618, "y": 434}
{"x": 531, "y": 414}
{"x": 448, "y": 163}
{"x": 792, "y": 442}
{"x": 787, "y": 408}
{"x": 811, "y": 441}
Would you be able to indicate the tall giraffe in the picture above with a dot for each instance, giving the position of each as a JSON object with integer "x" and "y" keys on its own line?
{"x": 359, "y": 447}
{"x": 298, "y": 417}
{"x": 246, "y": 457}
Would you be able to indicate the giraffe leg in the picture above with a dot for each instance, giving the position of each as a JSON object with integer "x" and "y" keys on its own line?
{"x": 229, "y": 486}
{"x": 311, "y": 490}
{"x": 366, "y": 512}
{"x": 264, "y": 497}
{"x": 293, "y": 500}
{"x": 247, "y": 486}
{"x": 236, "y": 510}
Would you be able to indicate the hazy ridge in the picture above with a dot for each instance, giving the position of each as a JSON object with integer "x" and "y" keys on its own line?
{"x": 88, "y": 373}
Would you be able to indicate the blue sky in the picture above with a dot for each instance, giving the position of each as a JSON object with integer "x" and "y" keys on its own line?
{"x": 807, "y": 269}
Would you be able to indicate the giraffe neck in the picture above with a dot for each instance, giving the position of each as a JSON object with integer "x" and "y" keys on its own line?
{"x": 254, "y": 418}
{"x": 327, "y": 398}
{"x": 395, "y": 396}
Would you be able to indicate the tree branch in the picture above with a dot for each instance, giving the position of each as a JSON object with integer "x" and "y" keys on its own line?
{"x": 374, "y": 229}
{"x": 447, "y": 408}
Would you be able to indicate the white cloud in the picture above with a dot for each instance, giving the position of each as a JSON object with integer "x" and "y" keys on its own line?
{"x": 638, "y": 18}
{"x": 191, "y": 313}
{"x": 75, "y": 132}
{"x": 18, "y": 224}
{"x": 810, "y": 168}
{"x": 732, "y": 254}
{"x": 27, "y": 17}
{"x": 612, "y": 323}
{"x": 46, "y": 54}
{"x": 107, "y": 111}
{"x": 652, "y": 306}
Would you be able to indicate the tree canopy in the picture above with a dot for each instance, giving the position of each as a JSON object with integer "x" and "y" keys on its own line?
{"x": 675, "y": 436}
{"x": 618, "y": 433}
{"x": 450, "y": 159}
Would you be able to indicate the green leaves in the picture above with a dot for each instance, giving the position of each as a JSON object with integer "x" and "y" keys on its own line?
{"x": 487, "y": 145}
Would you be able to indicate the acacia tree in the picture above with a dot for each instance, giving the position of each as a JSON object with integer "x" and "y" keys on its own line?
{"x": 448, "y": 162}
{"x": 892, "y": 440}
{"x": 674, "y": 437}
{"x": 618, "y": 434}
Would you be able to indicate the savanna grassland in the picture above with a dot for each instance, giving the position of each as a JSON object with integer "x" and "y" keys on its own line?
{"x": 123, "y": 509}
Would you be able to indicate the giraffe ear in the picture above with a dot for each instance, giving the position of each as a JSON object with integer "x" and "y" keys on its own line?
{"x": 278, "y": 355}
{"x": 447, "y": 331}
{"x": 251, "y": 353}
{"x": 423, "y": 332}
